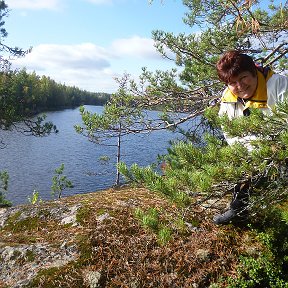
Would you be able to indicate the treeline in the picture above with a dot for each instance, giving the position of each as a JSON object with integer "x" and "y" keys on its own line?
{"x": 30, "y": 94}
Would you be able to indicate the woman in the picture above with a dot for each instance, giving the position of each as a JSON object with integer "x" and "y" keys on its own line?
{"x": 248, "y": 86}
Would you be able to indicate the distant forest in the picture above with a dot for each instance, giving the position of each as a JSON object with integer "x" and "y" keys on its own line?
{"x": 30, "y": 94}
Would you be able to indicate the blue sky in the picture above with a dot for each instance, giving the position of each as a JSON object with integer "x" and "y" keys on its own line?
{"x": 87, "y": 43}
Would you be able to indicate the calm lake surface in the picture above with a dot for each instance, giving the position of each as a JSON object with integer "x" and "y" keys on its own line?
{"x": 31, "y": 161}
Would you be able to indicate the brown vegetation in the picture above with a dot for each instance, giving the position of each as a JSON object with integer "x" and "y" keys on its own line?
{"x": 115, "y": 250}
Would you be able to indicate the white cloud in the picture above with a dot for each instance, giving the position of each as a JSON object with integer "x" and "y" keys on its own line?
{"x": 87, "y": 65}
{"x": 83, "y": 56}
{"x": 33, "y": 4}
{"x": 136, "y": 46}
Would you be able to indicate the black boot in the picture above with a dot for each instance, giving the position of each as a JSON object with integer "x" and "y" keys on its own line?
{"x": 238, "y": 212}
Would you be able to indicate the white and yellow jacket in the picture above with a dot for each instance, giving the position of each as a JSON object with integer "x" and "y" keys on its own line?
{"x": 270, "y": 91}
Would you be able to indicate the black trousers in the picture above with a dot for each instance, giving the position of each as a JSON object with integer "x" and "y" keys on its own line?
{"x": 240, "y": 197}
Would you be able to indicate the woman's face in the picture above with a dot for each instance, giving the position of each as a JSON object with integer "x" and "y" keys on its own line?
{"x": 243, "y": 85}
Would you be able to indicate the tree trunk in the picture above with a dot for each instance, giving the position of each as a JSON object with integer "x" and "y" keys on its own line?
{"x": 118, "y": 157}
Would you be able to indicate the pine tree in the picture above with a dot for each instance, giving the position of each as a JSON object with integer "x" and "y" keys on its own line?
{"x": 11, "y": 112}
{"x": 210, "y": 170}
{"x": 197, "y": 174}
{"x": 205, "y": 174}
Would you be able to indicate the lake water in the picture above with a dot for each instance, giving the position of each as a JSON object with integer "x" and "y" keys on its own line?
{"x": 31, "y": 161}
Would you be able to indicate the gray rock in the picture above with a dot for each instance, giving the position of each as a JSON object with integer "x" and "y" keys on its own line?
{"x": 20, "y": 264}
{"x": 92, "y": 278}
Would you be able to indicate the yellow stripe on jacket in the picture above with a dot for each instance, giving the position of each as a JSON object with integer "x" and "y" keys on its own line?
{"x": 258, "y": 100}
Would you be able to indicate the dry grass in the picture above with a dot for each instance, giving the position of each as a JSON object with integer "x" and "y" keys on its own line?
{"x": 125, "y": 254}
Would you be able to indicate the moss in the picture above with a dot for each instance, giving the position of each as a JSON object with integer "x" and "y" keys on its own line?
{"x": 31, "y": 239}
{"x": 20, "y": 258}
{"x": 28, "y": 224}
{"x": 44, "y": 214}
{"x": 123, "y": 252}
{"x": 57, "y": 277}
{"x": 14, "y": 217}
{"x": 30, "y": 256}
{"x": 85, "y": 249}
{"x": 181, "y": 226}
{"x": 16, "y": 255}
{"x": 66, "y": 226}
{"x": 83, "y": 214}
{"x": 101, "y": 211}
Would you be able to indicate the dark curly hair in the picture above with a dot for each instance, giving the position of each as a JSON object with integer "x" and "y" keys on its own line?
{"x": 232, "y": 63}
